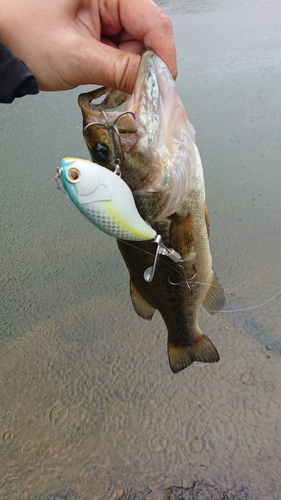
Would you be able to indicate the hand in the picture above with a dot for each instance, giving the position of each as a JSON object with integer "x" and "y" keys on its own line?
{"x": 66, "y": 43}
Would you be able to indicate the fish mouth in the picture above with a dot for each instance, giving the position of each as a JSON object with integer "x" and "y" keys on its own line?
{"x": 144, "y": 71}
{"x": 149, "y": 111}
{"x": 166, "y": 133}
{"x": 145, "y": 83}
{"x": 130, "y": 113}
{"x": 150, "y": 93}
{"x": 147, "y": 133}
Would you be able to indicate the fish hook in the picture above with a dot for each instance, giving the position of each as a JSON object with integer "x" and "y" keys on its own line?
{"x": 113, "y": 132}
{"x": 117, "y": 168}
{"x": 175, "y": 257}
{"x": 185, "y": 280}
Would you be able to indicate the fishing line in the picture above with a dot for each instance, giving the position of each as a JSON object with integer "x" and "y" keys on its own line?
{"x": 208, "y": 284}
{"x": 251, "y": 307}
{"x": 243, "y": 308}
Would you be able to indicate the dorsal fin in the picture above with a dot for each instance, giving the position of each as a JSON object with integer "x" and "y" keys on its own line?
{"x": 214, "y": 299}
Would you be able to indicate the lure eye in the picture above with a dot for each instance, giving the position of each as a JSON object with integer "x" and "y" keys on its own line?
{"x": 100, "y": 153}
{"x": 73, "y": 174}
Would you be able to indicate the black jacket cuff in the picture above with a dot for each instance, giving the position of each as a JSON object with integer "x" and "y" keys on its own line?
{"x": 15, "y": 78}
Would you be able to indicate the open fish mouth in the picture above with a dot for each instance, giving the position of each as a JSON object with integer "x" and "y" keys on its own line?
{"x": 147, "y": 133}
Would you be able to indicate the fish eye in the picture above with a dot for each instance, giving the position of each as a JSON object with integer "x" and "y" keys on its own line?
{"x": 73, "y": 174}
{"x": 100, "y": 153}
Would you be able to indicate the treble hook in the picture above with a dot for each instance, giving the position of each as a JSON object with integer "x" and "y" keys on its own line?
{"x": 186, "y": 280}
{"x": 113, "y": 132}
{"x": 117, "y": 168}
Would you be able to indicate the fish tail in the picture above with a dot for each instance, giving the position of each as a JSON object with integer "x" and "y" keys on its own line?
{"x": 202, "y": 350}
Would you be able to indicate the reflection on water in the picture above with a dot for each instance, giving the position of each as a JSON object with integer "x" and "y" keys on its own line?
{"x": 88, "y": 406}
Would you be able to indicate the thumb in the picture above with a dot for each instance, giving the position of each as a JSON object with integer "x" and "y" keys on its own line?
{"x": 101, "y": 64}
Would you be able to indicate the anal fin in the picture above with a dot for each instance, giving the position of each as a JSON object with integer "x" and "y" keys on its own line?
{"x": 214, "y": 299}
{"x": 141, "y": 306}
{"x": 202, "y": 350}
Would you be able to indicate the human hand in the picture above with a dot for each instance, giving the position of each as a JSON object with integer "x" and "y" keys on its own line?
{"x": 66, "y": 43}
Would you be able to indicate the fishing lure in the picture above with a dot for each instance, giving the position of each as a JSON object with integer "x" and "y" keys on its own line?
{"x": 107, "y": 201}
{"x": 104, "y": 198}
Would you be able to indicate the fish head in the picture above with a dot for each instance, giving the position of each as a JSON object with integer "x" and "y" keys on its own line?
{"x": 108, "y": 129}
{"x": 148, "y": 134}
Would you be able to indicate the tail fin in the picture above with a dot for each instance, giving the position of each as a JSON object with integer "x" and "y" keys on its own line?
{"x": 201, "y": 350}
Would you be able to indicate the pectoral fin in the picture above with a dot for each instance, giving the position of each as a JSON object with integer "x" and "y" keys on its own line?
{"x": 202, "y": 350}
{"x": 181, "y": 233}
{"x": 214, "y": 300}
{"x": 141, "y": 306}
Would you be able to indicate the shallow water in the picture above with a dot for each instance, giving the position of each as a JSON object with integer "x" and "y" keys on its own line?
{"x": 88, "y": 406}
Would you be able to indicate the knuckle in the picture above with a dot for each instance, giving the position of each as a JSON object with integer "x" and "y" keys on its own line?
{"x": 166, "y": 22}
{"x": 125, "y": 73}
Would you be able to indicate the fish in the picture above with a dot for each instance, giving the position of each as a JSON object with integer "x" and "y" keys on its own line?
{"x": 148, "y": 139}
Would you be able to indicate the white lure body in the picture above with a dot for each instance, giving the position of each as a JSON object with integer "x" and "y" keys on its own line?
{"x": 105, "y": 199}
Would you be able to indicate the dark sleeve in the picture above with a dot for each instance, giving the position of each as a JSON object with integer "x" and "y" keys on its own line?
{"x": 15, "y": 77}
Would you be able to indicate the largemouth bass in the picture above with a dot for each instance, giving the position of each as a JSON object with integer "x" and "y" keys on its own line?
{"x": 148, "y": 138}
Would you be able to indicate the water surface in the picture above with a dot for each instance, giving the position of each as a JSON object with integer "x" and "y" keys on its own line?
{"x": 89, "y": 409}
